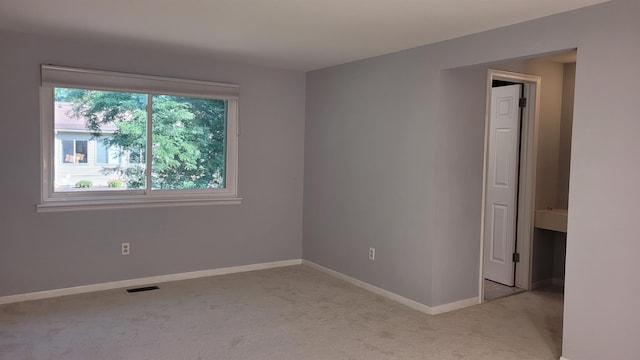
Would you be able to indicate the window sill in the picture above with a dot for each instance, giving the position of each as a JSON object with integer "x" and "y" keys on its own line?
{"x": 81, "y": 205}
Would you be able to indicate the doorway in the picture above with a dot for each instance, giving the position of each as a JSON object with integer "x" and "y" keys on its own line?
{"x": 502, "y": 182}
{"x": 508, "y": 182}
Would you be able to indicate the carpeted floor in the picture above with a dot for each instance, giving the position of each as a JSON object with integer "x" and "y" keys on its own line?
{"x": 286, "y": 313}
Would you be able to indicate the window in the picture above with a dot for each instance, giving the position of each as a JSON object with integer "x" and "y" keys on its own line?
{"x": 128, "y": 140}
{"x": 107, "y": 153}
{"x": 74, "y": 151}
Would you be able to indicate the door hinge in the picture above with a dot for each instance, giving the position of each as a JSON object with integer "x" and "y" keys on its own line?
{"x": 516, "y": 257}
{"x": 523, "y": 102}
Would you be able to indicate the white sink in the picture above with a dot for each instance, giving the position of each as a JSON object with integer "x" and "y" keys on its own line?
{"x": 552, "y": 219}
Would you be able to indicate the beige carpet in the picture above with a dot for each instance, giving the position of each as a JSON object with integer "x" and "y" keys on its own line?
{"x": 286, "y": 313}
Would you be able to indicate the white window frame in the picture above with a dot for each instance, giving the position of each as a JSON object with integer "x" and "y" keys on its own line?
{"x": 57, "y": 76}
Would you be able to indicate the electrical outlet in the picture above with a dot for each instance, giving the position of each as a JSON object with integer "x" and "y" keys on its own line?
{"x": 126, "y": 248}
{"x": 372, "y": 253}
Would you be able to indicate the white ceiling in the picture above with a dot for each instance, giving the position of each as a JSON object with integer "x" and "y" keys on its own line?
{"x": 291, "y": 34}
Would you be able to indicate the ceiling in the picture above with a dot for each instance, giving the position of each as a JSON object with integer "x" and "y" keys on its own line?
{"x": 290, "y": 34}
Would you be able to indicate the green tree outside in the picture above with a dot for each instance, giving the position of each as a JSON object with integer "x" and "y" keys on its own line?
{"x": 188, "y": 136}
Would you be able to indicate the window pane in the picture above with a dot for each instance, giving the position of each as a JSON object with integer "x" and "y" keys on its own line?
{"x": 189, "y": 143}
{"x": 107, "y": 153}
{"x": 102, "y": 155}
{"x": 93, "y": 128}
{"x": 68, "y": 154}
{"x": 81, "y": 152}
{"x": 137, "y": 156}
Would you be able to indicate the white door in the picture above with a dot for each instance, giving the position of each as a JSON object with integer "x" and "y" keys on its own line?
{"x": 502, "y": 184}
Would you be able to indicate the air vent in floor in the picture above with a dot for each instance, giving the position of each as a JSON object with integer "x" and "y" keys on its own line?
{"x": 146, "y": 288}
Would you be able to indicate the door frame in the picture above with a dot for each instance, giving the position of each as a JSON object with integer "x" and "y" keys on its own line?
{"x": 527, "y": 178}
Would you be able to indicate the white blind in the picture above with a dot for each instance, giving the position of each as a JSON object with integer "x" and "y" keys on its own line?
{"x": 58, "y": 76}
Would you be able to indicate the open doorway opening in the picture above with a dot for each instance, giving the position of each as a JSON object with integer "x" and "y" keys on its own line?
{"x": 525, "y": 183}
{"x": 462, "y": 121}
{"x": 509, "y": 181}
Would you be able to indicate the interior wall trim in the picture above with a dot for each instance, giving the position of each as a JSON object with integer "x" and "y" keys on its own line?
{"x": 82, "y": 289}
{"x": 144, "y": 281}
{"x": 431, "y": 310}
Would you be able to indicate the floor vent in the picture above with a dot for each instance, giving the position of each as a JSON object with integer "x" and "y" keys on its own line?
{"x": 146, "y": 288}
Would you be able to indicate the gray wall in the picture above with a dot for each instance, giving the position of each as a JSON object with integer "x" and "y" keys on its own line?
{"x": 368, "y": 161}
{"x": 381, "y": 165}
{"x": 566, "y": 124}
{"x": 459, "y": 152}
{"x": 543, "y": 259}
{"x": 40, "y": 251}
{"x": 559, "y": 255}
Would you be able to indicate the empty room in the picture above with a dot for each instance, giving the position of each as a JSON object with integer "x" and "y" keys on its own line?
{"x": 347, "y": 179}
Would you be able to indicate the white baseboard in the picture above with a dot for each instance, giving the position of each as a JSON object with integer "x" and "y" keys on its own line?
{"x": 144, "y": 281}
{"x": 563, "y": 358}
{"x": 431, "y": 310}
{"x": 456, "y": 305}
{"x": 435, "y": 310}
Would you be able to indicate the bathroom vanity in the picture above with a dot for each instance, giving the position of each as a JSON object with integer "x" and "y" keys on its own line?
{"x": 551, "y": 219}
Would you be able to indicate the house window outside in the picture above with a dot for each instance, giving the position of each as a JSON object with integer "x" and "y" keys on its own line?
{"x": 157, "y": 147}
{"x": 136, "y": 156}
{"x": 74, "y": 151}
{"x": 107, "y": 153}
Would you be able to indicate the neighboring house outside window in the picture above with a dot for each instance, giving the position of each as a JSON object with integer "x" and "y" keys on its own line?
{"x": 83, "y": 156}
